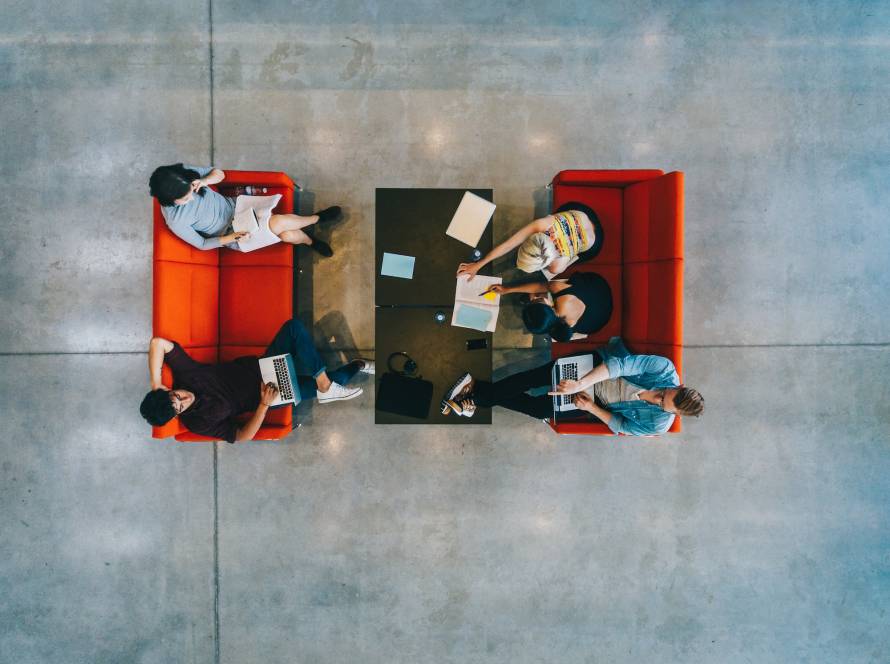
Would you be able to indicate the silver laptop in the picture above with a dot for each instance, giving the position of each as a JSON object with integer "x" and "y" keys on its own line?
{"x": 569, "y": 368}
{"x": 279, "y": 370}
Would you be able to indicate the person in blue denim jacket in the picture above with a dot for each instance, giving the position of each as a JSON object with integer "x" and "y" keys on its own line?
{"x": 637, "y": 395}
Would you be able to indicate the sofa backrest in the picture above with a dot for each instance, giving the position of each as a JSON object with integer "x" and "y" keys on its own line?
{"x": 652, "y": 245}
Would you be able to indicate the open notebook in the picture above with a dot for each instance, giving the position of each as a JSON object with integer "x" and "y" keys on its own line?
{"x": 252, "y": 215}
{"x": 472, "y": 309}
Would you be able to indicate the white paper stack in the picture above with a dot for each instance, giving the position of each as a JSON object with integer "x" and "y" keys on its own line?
{"x": 470, "y": 219}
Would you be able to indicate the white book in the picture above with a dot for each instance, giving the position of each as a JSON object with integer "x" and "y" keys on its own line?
{"x": 472, "y": 309}
{"x": 252, "y": 215}
{"x": 470, "y": 219}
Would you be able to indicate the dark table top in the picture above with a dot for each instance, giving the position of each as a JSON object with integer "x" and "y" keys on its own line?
{"x": 412, "y": 222}
{"x": 440, "y": 352}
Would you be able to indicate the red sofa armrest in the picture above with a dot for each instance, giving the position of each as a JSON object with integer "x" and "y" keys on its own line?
{"x": 581, "y": 428}
{"x": 266, "y": 432}
{"x": 605, "y": 178}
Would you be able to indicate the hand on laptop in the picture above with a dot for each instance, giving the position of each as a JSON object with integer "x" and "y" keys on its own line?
{"x": 268, "y": 393}
{"x": 566, "y": 387}
{"x": 583, "y": 401}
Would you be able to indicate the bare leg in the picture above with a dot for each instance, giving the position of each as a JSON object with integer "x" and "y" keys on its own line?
{"x": 279, "y": 223}
{"x": 295, "y": 237}
{"x": 323, "y": 382}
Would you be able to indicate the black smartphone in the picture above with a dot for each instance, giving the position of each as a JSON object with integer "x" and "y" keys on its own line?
{"x": 477, "y": 344}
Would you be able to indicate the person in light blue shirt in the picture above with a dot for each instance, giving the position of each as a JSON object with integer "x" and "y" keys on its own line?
{"x": 637, "y": 395}
{"x": 203, "y": 217}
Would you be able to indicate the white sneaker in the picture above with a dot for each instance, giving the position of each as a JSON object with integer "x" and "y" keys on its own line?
{"x": 465, "y": 407}
{"x": 367, "y": 367}
{"x": 337, "y": 392}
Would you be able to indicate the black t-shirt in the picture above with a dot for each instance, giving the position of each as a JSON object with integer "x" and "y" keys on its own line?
{"x": 222, "y": 392}
{"x": 593, "y": 290}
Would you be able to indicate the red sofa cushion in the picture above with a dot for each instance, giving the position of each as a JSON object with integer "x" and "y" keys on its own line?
{"x": 653, "y": 297}
{"x": 653, "y": 219}
{"x": 186, "y": 303}
{"x": 607, "y": 203}
{"x": 254, "y": 301}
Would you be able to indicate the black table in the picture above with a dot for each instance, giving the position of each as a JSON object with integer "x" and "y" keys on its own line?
{"x": 412, "y": 222}
{"x": 441, "y": 354}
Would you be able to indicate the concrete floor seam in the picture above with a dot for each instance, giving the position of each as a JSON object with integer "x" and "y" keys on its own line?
{"x": 216, "y": 552}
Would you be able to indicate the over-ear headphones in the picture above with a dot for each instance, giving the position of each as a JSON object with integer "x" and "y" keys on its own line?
{"x": 409, "y": 366}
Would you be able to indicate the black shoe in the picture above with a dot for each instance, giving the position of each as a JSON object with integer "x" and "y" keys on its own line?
{"x": 322, "y": 248}
{"x": 329, "y": 214}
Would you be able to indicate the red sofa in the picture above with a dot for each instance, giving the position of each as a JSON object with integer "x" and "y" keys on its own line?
{"x": 642, "y": 259}
{"x": 220, "y": 304}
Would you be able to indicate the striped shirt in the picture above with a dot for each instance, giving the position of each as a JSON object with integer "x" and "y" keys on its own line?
{"x": 568, "y": 234}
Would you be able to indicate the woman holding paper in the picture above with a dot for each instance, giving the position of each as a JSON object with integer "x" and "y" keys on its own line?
{"x": 551, "y": 243}
{"x": 203, "y": 217}
{"x": 581, "y": 305}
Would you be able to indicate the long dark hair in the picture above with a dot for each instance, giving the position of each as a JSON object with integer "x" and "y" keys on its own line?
{"x": 540, "y": 318}
{"x": 168, "y": 183}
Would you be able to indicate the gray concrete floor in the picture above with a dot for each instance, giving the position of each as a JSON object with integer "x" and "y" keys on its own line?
{"x": 758, "y": 535}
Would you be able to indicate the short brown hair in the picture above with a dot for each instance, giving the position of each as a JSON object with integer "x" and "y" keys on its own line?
{"x": 688, "y": 401}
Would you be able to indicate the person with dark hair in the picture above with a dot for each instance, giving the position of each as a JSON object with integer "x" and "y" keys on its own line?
{"x": 582, "y": 305}
{"x": 208, "y": 397}
{"x": 637, "y": 395}
{"x": 203, "y": 217}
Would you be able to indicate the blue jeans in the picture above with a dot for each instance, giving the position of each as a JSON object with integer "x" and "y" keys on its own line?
{"x": 294, "y": 338}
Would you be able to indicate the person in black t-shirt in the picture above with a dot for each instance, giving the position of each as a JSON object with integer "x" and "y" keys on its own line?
{"x": 581, "y": 304}
{"x": 208, "y": 397}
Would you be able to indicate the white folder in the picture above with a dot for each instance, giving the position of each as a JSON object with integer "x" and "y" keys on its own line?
{"x": 470, "y": 219}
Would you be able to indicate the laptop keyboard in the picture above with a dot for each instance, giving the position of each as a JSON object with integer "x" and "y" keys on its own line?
{"x": 568, "y": 372}
{"x": 281, "y": 373}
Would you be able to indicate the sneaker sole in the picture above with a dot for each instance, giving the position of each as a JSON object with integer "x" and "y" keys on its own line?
{"x": 458, "y": 386}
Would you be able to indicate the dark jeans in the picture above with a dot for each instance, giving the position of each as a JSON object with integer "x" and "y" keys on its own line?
{"x": 511, "y": 393}
{"x": 294, "y": 338}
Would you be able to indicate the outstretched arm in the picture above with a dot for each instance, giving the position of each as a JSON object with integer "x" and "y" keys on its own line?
{"x": 157, "y": 349}
{"x": 504, "y": 247}
{"x": 534, "y": 288}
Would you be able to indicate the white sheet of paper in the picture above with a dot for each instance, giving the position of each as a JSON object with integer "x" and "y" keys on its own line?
{"x": 245, "y": 207}
{"x": 470, "y": 219}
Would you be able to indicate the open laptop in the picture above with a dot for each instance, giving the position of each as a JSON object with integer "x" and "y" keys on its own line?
{"x": 569, "y": 368}
{"x": 279, "y": 370}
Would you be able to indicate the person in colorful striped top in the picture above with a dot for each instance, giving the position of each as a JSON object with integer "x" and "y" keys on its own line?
{"x": 550, "y": 243}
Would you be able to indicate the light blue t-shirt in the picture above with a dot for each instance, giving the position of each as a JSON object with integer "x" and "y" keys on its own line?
{"x": 203, "y": 219}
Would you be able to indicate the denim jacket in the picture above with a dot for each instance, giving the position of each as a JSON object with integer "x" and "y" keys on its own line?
{"x": 652, "y": 372}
